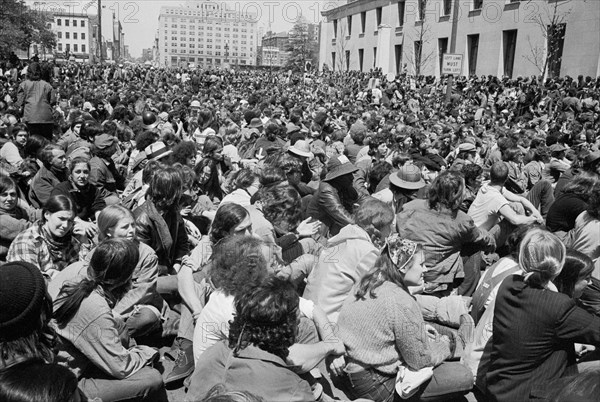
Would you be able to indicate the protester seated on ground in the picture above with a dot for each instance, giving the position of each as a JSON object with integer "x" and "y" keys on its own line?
{"x": 444, "y": 232}
{"x": 230, "y": 220}
{"x": 253, "y": 358}
{"x": 335, "y": 200}
{"x": 13, "y": 152}
{"x": 245, "y": 184}
{"x": 492, "y": 210}
{"x": 26, "y": 311}
{"x": 95, "y": 344}
{"x": 292, "y": 167}
{"x": 372, "y": 324}
{"x": 159, "y": 223}
{"x": 51, "y": 243}
{"x": 137, "y": 197}
{"x": 348, "y": 256}
{"x": 473, "y": 175}
{"x": 15, "y": 214}
{"x": 584, "y": 235}
{"x": 103, "y": 171}
{"x": 529, "y": 310}
{"x": 154, "y": 152}
{"x": 53, "y": 172}
{"x": 87, "y": 199}
{"x": 533, "y": 170}
{"x": 572, "y": 201}
{"x": 240, "y": 263}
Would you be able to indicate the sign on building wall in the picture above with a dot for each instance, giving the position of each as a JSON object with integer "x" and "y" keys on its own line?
{"x": 452, "y": 64}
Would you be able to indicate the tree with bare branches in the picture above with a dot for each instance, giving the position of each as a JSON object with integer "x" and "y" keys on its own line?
{"x": 341, "y": 46}
{"x": 551, "y": 20}
{"x": 421, "y": 56}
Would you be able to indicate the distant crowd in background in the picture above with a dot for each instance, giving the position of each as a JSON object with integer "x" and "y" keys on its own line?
{"x": 297, "y": 237}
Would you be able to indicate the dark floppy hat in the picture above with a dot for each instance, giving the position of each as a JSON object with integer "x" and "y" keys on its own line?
{"x": 408, "y": 177}
{"x": 22, "y": 297}
{"x": 339, "y": 166}
{"x": 255, "y": 123}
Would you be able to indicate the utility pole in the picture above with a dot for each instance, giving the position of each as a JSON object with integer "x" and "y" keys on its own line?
{"x": 455, "y": 6}
{"x": 100, "y": 29}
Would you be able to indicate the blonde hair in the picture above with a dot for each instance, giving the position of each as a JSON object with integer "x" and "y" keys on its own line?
{"x": 542, "y": 256}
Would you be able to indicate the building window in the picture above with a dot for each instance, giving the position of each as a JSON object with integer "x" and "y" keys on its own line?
{"x": 472, "y": 50}
{"x": 398, "y": 51}
{"x": 556, "y": 41}
{"x": 347, "y": 60}
{"x": 333, "y": 60}
{"x": 74, "y": 23}
{"x": 59, "y": 22}
{"x": 446, "y": 7}
{"x": 509, "y": 47}
{"x": 379, "y": 13}
{"x": 335, "y": 25}
{"x": 418, "y": 49}
{"x": 83, "y": 48}
{"x": 59, "y": 34}
{"x": 83, "y": 36}
{"x": 74, "y": 35}
{"x": 60, "y": 47}
{"x": 67, "y": 22}
{"x": 401, "y": 9}
{"x": 67, "y": 35}
{"x": 422, "y": 5}
{"x": 442, "y": 49}
{"x": 363, "y": 21}
{"x": 82, "y": 23}
{"x": 75, "y": 48}
{"x": 477, "y": 4}
{"x": 349, "y": 19}
{"x": 361, "y": 57}
{"x": 374, "y": 57}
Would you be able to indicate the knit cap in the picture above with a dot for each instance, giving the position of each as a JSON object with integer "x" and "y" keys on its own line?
{"x": 22, "y": 295}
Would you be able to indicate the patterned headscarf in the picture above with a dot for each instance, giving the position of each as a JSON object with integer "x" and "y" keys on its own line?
{"x": 397, "y": 248}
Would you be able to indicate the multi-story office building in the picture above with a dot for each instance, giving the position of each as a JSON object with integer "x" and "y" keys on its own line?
{"x": 75, "y": 35}
{"x": 275, "y": 49}
{"x": 207, "y": 34}
{"x": 495, "y": 37}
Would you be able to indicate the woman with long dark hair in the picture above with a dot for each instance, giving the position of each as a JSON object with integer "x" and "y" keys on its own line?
{"x": 36, "y": 98}
{"x": 93, "y": 346}
{"x": 50, "y": 243}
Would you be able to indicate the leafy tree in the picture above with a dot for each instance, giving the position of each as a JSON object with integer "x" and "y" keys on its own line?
{"x": 302, "y": 48}
{"x": 20, "y": 26}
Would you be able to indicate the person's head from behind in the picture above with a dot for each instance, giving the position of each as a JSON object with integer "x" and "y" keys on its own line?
{"x": 51, "y": 382}
{"x": 230, "y": 220}
{"x": 25, "y": 314}
{"x": 219, "y": 393}
{"x": 165, "y": 189}
{"x": 239, "y": 263}
{"x": 375, "y": 217}
{"x": 281, "y": 205}
{"x": 401, "y": 262}
{"x": 149, "y": 170}
{"x": 446, "y": 191}
{"x": 594, "y": 202}
{"x": 247, "y": 180}
{"x": 498, "y": 173}
{"x": 542, "y": 257}
{"x": 576, "y": 274}
{"x": 266, "y": 316}
{"x": 116, "y": 222}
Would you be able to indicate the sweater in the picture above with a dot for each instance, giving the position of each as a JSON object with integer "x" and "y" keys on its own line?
{"x": 382, "y": 332}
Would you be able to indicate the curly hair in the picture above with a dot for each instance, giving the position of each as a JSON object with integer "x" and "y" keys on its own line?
{"x": 266, "y": 317}
{"x": 182, "y": 152}
{"x": 238, "y": 264}
{"x": 373, "y": 216}
{"x": 282, "y": 206}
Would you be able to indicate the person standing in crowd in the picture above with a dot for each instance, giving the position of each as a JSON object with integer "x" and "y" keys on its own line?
{"x": 36, "y": 97}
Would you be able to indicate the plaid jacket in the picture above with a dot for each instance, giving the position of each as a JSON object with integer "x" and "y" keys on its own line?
{"x": 30, "y": 246}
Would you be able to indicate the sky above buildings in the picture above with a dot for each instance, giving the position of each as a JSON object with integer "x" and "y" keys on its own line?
{"x": 139, "y": 18}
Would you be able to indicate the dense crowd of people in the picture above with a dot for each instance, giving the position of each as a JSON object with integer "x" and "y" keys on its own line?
{"x": 297, "y": 237}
